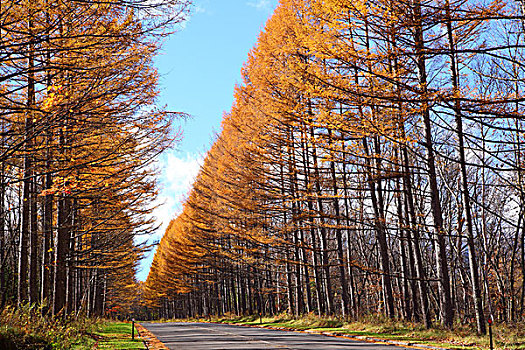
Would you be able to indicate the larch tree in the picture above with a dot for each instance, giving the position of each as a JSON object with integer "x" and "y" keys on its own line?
{"x": 333, "y": 185}
{"x": 80, "y": 131}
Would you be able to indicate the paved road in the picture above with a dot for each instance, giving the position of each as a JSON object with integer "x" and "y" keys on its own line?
{"x": 212, "y": 336}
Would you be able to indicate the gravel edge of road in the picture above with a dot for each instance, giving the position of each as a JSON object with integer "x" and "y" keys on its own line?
{"x": 150, "y": 340}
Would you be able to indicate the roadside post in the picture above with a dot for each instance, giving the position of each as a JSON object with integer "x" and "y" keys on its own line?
{"x": 132, "y": 329}
{"x": 490, "y": 333}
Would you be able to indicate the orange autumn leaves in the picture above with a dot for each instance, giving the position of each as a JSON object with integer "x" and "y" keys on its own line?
{"x": 80, "y": 132}
{"x": 332, "y": 187}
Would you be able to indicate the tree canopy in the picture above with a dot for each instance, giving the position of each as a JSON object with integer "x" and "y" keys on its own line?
{"x": 80, "y": 130}
{"x": 372, "y": 163}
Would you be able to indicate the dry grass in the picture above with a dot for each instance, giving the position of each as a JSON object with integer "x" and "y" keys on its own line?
{"x": 28, "y": 327}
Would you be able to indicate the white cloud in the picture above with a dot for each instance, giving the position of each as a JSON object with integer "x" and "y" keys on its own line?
{"x": 176, "y": 177}
{"x": 199, "y": 9}
{"x": 261, "y": 4}
{"x": 195, "y": 9}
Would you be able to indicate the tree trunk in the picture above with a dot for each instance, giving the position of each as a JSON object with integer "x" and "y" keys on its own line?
{"x": 380, "y": 229}
{"x": 311, "y": 223}
{"x": 323, "y": 239}
{"x": 25, "y": 227}
{"x": 61, "y": 255}
{"x": 473, "y": 264}
{"x": 446, "y": 306}
{"x": 339, "y": 236}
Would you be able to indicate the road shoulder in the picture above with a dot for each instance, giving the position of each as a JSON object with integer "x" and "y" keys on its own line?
{"x": 151, "y": 341}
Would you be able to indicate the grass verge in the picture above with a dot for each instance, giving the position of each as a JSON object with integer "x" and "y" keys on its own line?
{"x": 28, "y": 328}
{"x": 116, "y": 335}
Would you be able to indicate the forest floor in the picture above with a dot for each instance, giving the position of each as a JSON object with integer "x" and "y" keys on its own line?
{"x": 26, "y": 328}
{"x": 506, "y": 337}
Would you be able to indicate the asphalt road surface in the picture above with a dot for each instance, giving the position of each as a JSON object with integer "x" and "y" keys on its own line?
{"x": 221, "y": 336}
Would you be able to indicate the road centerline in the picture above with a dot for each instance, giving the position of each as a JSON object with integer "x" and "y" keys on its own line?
{"x": 213, "y": 336}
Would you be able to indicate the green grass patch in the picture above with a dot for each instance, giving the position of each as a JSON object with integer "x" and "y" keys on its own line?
{"x": 116, "y": 335}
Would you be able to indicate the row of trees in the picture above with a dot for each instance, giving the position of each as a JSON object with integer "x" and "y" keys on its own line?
{"x": 372, "y": 163}
{"x": 79, "y": 132}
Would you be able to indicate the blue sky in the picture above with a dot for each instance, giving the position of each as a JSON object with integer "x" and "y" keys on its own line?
{"x": 199, "y": 67}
